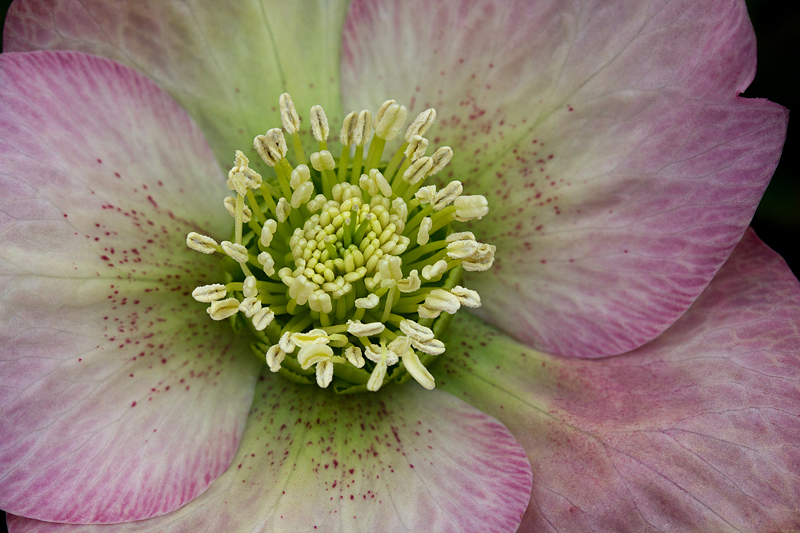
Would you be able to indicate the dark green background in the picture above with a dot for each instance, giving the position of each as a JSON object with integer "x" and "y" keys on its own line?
{"x": 777, "y": 220}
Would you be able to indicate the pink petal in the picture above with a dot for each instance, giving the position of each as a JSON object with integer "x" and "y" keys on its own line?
{"x": 405, "y": 460}
{"x": 620, "y": 166}
{"x": 695, "y": 431}
{"x": 120, "y": 400}
{"x": 226, "y": 64}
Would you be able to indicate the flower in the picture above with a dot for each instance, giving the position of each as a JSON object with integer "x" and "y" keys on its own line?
{"x": 122, "y": 401}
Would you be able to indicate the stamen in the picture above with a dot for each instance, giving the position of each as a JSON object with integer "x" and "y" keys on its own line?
{"x": 390, "y": 119}
{"x": 424, "y": 228}
{"x": 319, "y": 124}
{"x": 289, "y": 117}
{"x": 356, "y": 264}
{"x": 271, "y": 147}
{"x": 417, "y": 147}
{"x": 223, "y": 309}
{"x": 418, "y": 170}
{"x": 237, "y": 252}
{"x": 417, "y": 370}
{"x": 209, "y": 293}
{"x": 201, "y": 243}
{"x": 364, "y": 330}
{"x": 471, "y": 207}
{"x": 230, "y": 207}
{"x": 268, "y": 232}
{"x": 421, "y": 124}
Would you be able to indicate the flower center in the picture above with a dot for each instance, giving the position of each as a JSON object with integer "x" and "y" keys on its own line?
{"x": 342, "y": 271}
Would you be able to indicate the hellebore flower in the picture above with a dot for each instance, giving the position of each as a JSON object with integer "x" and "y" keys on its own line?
{"x": 621, "y": 170}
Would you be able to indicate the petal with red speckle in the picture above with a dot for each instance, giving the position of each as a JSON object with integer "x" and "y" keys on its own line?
{"x": 120, "y": 400}
{"x": 696, "y": 431}
{"x": 225, "y": 64}
{"x": 620, "y": 165}
{"x": 406, "y": 459}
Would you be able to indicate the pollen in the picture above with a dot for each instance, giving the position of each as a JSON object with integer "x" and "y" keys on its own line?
{"x": 345, "y": 270}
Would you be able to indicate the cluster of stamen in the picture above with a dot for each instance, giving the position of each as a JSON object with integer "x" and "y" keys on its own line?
{"x": 344, "y": 270}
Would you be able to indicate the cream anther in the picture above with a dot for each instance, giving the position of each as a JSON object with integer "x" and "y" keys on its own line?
{"x": 267, "y": 263}
{"x": 471, "y": 207}
{"x": 435, "y": 270}
{"x": 230, "y": 207}
{"x": 237, "y": 252}
{"x": 447, "y": 195}
{"x": 353, "y": 355}
{"x": 377, "y": 376}
{"x": 301, "y": 174}
{"x": 430, "y": 347}
{"x": 400, "y": 345}
{"x": 390, "y": 269}
{"x": 383, "y": 108}
{"x": 249, "y": 287}
{"x": 400, "y": 208}
{"x": 236, "y": 182}
{"x": 461, "y": 249}
{"x": 348, "y": 125}
{"x": 364, "y": 330}
{"x": 268, "y": 232}
{"x": 209, "y": 293}
{"x": 411, "y": 283}
{"x": 363, "y": 130}
{"x": 271, "y": 146}
{"x": 275, "y": 357}
{"x": 442, "y": 300}
{"x": 201, "y": 243}
{"x": 376, "y": 353}
{"x": 312, "y": 354}
{"x": 418, "y": 170}
{"x": 375, "y": 184}
{"x": 467, "y": 297}
{"x": 317, "y": 203}
{"x": 250, "y": 306}
{"x": 324, "y": 373}
{"x": 426, "y": 194}
{"x": 421, "y": 124}
{"x": 460, "y": 236}
{"x": 302, "y": 194}
{"x": 320, "y": 301}
{"x": 417, "y": 370}
{"x": 390, "y": 119}
{"x": 368, "y": 302}
{"x": 415, "y": 331}
{"x": 263, "y": 318}
{"x": 441, "y": 158}
{"x": 424, "y": 228}
{"x": 322, "y": 160}
{"x": 282, "y": 210}
{"x": 319, "y": 124}
{"x": 416, "y": 148}
{"x": 241, "y": 176}
{"x": 315, "y": 336}
{"x": 289, "y": 117}
{"x": 286, "y": 343}
{"x": 481, "y": 260}
{"x": 301, "y": 288}
{"x": 222, "y": 309}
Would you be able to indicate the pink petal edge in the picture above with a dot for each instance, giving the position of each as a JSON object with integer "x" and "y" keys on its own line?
{"x": 225, "y": 64}
{"x": 620, "y": 166}
{"x": 406, "y": 460}
{"x": 121, "y": 400}
{"x": 696, "y": 431}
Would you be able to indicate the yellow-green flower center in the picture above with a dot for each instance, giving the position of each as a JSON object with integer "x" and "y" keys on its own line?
{"x": 342, "y": 271}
